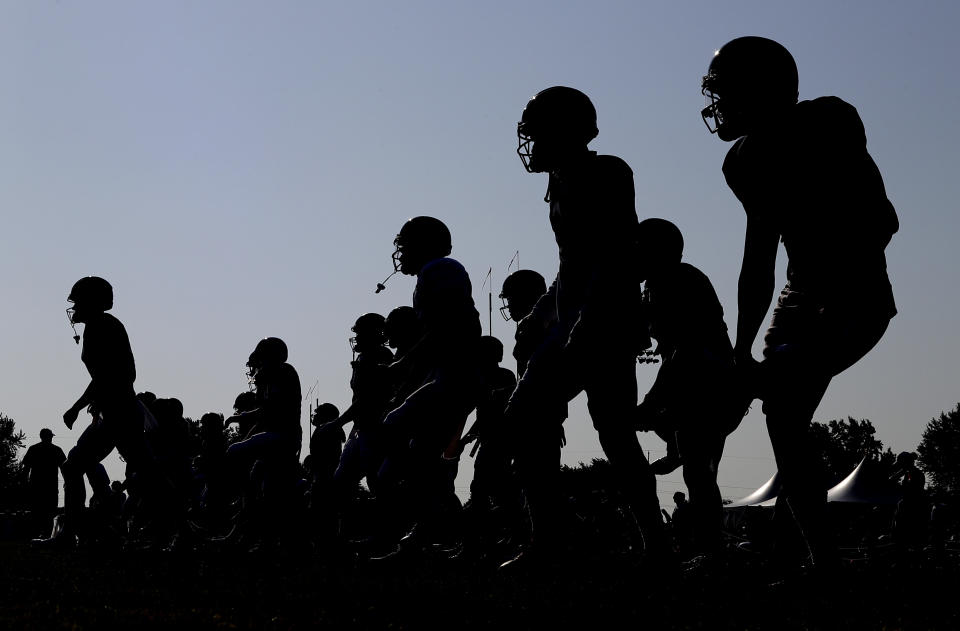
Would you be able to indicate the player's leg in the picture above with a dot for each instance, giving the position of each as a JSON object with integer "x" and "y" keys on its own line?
{"x": 700, "y": 451}
{"x": 94, "y": 444}
{"x": 537, "y": 410}
{"x": 612, "y": 401}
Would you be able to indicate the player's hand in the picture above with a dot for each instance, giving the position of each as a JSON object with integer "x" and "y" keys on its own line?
{"x": 70, "y": 417}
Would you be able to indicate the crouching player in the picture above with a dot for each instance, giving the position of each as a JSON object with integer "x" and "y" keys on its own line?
{"x": 694, "y": 403}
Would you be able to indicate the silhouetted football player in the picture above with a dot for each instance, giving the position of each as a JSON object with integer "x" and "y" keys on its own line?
{"x": 693, "y": 403}
{"x": 325, "y": 447}
{"x": 520, "y": 292}
{"x": 370, "y": 382}
{"x": 117, "y": 414}
{"x": 266, "y": 462}
{"x": 494, "y": 484}
{"x": 804, "y": 177}
{"x": 426, "y": 427}
{"x": 592, "y": 346}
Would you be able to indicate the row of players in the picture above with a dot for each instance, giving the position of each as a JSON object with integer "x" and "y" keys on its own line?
{"x": 803, "y": 174}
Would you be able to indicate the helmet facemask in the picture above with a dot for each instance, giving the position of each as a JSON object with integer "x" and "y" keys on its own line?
{"x": 525, "y": 147}
{"x": 711, "y": 111}
{"x": 505, "y": 309}
{"x": 397, "y": 254}
{"x": 252, "y": 373}
{"x": 71, "y": 318}
{"x": 718, "y": 109}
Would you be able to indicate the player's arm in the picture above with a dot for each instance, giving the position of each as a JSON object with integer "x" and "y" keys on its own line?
{"x": 755, "y": 291}
{"x": 70, "y": 416}
{"x": 544, "y": 312}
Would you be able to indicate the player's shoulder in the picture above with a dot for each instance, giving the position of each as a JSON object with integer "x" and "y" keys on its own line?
{"x": 689, "y": 271}
{"x": 825, "y": 107}
{"x": 505, "y": 375}
{"x": 829, "y": 117}
{"x": 443, "y": 263}
{"x": 445, "y": 267}
{"x": 613, "y": 165}
{"x": 694, "y": 278}
{"x": 287, "y": 371}
{"x": 103, "y": 324}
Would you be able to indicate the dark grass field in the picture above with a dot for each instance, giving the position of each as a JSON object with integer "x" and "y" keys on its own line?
{"x": 85, "y": 589}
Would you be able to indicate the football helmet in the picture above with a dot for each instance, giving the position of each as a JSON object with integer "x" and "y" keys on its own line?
{"x": 491, "y": 350}
{"x": 402, "y": 328}
{"x": 520, "y": 292}
{"x": 245, "y": 402}
{"x": 659, "y": 244}
{"x": 89, "y": 294}
{"x": 270, "y": 351}
{"x": 324, "y": 413}
{"x": 749, "y": 79}
{"x": 420, "y": 240}
{"x": 369, "y": 327}
{"x": 555, "y": 120}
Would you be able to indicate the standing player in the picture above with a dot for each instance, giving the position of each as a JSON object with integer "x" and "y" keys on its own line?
{"x": 369, "y": 382}
{"x": 427, "y": 425}
{"x": 118, "y": 417}
{"x": 804, "y": 177}
{"x": 592, "y": 346}
{"x": 265, "y": 463}
{"x": 520, "y": 293}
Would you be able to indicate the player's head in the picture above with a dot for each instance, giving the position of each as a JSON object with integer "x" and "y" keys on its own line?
{"x": 420, "y": 240}
{"x": 679, "y": 498}
{"x": 491, "y": 350}
{"x": 88, "y": 296}
{"x": 211, "y": 422}
{"x": 402, "y": 328}
{"x": 368, "y": 332}
{"x": 659, "y": 247}
{"x": 906, "y": 459}
{"x": 750, "y": 81}
{"x": 556, "y": 124}
{"x": 46, "y": 435}
{"x": 269, "y": 352}
{"x": 245, "y": 402}
{"x": 324, "y": 413}
{"x": 520, "y": 292}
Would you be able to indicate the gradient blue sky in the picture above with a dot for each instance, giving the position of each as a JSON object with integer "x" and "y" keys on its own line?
{"x": 239, "y": 169}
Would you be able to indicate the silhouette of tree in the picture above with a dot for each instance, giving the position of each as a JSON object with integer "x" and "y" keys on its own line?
{"x": 11, "y": 439}
{"x": 939, "y": 451}
{"x": 843, "y": 444}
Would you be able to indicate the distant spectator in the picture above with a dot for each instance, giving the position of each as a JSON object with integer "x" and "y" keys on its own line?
{"x": 40, "y": 464}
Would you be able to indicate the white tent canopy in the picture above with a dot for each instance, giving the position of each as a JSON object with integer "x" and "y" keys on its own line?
{"x": 766, "y": 495}
{"x": 863, "y": 486}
